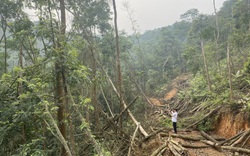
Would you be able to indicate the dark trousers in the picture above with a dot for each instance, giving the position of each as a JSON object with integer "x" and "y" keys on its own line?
{"x": 175, "y": 127}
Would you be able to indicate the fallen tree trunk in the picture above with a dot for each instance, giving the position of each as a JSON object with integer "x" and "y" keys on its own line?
{"x": 179, "y": 148}
{"x": 213, "y": 144}
{"x": 236, "y": 149}
{"x": 132, "y": 141}
{"x": 236, "y": 136}
{"x": 219, "y": 138}
{"x": 162, "y": 151}
{"x": 194, "y": 146}
{"x": 152, "y": 134}
{"x": 156, "y": 152}
{"x": 173, "y": 150}
{"x": 244, "y": 136}
{"x": 123, "y": 102}
{"x": 115, "y": 118}
{"x": 205, "y": 135}
{"x": 193, "y": 138}
{"x": 246, "y": 141}
{"x": 163, "y": 134}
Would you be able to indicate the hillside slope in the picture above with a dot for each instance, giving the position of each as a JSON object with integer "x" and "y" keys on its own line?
{"x": 221, "y": 122}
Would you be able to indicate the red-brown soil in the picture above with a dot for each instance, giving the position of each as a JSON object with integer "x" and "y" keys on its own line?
{"x": 228, "y": 124}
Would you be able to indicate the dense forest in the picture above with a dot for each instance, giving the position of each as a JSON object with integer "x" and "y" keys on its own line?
{"x": 73, "y": 84}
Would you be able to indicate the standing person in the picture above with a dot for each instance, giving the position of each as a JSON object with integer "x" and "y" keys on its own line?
{"x": 174, "y": 115}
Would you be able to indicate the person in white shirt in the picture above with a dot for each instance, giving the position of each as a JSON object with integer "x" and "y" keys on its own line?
{"x": 174, "y": 115}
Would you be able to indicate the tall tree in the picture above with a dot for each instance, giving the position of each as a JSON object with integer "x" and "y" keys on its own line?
{"x": 205, "y": 65}
{"x": 119, "y": 72}
{"x": 201, "y": 30}
{"x": 60, "y": 76}
{"x": 229, "y": 72}
{"x": 8, "y": 12}
{"x": 217, "y": 36}
{"x": 98, "y": 12}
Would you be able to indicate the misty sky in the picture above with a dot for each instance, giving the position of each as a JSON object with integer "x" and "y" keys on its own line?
{"x": 151, "y": 14}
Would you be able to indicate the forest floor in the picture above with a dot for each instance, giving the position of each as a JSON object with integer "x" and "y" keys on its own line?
{"x": 208, "y": 151}
{"x": 153, "y": 144}
{"x": 190, "y": 140}
{"x": 228, "y": 125}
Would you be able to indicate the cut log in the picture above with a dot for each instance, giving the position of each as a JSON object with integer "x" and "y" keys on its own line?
{"x": 219, "y": 138}
{"x": 179, "y": 148}
{"x": 173, "y": 150}
{"x": 244, "y": 136}
{"x": 213, "y": 144}
{"x": 156, "y": 152}
{"x": 186, "y": 137}
{"x": 236, "y": 136}
{"x": 205, "y": 135}
{"x": 236, "y": 149}
{"x": 194, "y": 146}
{"x": 153, "y": 134}
{"x": 162, "y": 151}
{"x": 245, "y": 142}
{"x": 163, "y": 135}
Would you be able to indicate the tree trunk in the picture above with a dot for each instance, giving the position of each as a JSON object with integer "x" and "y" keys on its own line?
{"x": 236, "y": 149}
{"x": 94, "y": 90}
{"x": 59, "y": 79}
{"x": 20, "y": 87}
{"x": 141, "y": 83}
{"x": 205, "y": 135}
{"x": 205, "y": 65}
{"x": 5, "y": 50}
{"x": 229, "y": 72}
{"x": 71, "y": 133}
{"x": 61, "y": 103}
{"x": 217, "y": 35}
{"x": 124, "y": 104}
{"x": 59, "y": 133}
{"x": 119, "y": 84}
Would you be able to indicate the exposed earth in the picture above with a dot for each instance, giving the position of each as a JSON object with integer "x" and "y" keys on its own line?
{"x": 227, "y": 124}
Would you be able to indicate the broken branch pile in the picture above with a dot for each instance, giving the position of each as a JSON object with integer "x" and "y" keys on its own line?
{"x": 208, "y": 141}
{"x": 175, "y": 148}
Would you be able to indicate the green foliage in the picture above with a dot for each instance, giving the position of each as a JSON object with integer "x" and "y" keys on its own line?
{"x": 190, "y": 15}
{"x": 247, "y": 67}
{"x": 27, "y": 93}
{"x": 248, "y": 111}
{"x": 88, "y": 14}
{"x": 193, "y": 65}
{"x": 9, "y": 9}
{"x": 105, "y": 152}
{"x": 198, "y": 90}
{"x": 166, "y": 122}
{"x": 34, "y": 148}
{"x": 206, "y": 125}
